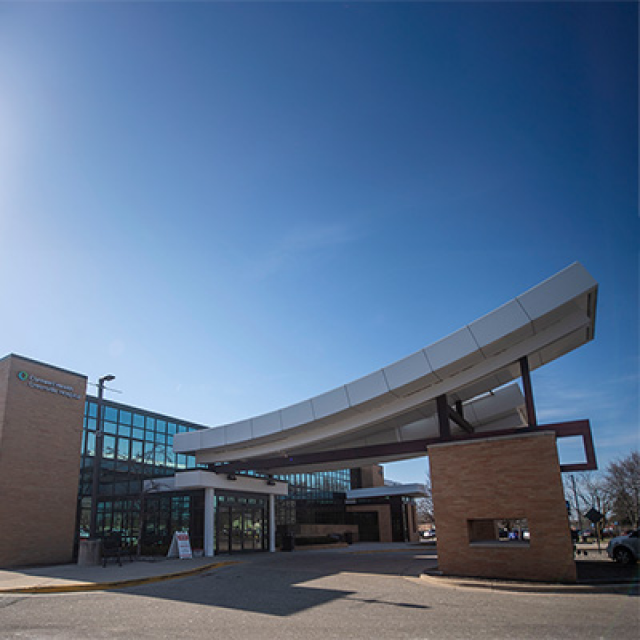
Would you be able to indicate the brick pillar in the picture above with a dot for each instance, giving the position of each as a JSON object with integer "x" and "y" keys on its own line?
{"x": 476, "y": 483}
{"x": 41, "y": 411}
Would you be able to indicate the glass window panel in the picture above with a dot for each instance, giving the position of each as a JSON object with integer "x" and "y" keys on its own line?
{"x": 151, "y": 423}
{"x": 138, "y": 420}
{"x": 109, "y": 447}
{"x": 161, "y": 425}
{"x": 91, "y": 444}
{"x": 138, "y": 433}
{"x": 148, "y": 436}
{"x": 110, "y": 414}
{"x": 149, "y": 452}
{"x": 171, "y": 427}
{"x": 110, "y": 427}
{"x": 136, "y": 450}
{"x": 91, "y": 424}
{"x": 125, "y": 417}
{"x": 123, "y": 449}
{"x": 160, "y": 456}
{"x": 92, "y": 409}
{"x": 124, "y": 430}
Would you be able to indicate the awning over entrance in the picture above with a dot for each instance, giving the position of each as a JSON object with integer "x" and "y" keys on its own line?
{"x": 230, "y": 482}
{"x": 406, "y": 490}
{"x": 455, "y": 386}
{"x": 212, "y": 482}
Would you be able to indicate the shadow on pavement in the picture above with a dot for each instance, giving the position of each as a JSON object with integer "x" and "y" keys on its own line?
{"x": 598, "y": 571}
{"x": 284, "y": 584}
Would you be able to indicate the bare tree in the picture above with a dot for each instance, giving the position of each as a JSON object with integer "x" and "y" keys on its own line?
{"x": 424, "y": 506}
{"x": 622, "y": 482}
{"x": 586, "y": 491}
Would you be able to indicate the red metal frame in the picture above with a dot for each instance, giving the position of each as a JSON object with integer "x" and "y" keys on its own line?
{"x": 562, "y": 430}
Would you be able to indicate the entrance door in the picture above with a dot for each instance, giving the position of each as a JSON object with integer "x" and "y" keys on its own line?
{"x": 248, "y": 542}
{"x": 223, "y": 530}
{"x": 237, "y": 529}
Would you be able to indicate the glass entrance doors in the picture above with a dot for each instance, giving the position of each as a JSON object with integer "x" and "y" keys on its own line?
{"x": 240, "y": 524}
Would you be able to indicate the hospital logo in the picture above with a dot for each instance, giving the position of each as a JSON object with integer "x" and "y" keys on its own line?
{"x": 23, "y": 375}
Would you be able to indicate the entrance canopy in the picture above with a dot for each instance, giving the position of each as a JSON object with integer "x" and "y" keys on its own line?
{"x": 458, "y": 385}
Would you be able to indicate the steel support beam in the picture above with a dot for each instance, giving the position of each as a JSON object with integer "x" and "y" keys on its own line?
{"x": 459, "y": 420}
{"x": 528, "y": 392}
{"x": 443, "y": 417}
{"x": 579, "y": 428}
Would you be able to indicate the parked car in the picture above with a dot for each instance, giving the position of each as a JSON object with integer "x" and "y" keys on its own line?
{"x": 625, "y": 549}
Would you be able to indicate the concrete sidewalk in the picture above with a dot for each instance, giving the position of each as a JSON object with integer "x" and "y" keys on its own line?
{"x": 595, "y": 572}
{"x": 71, "y": 577}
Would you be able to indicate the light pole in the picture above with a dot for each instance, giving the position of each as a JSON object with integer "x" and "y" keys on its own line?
{"x": 97, "y": 460}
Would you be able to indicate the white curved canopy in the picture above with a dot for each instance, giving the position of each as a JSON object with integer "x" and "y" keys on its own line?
{"x": 397, "y": 403}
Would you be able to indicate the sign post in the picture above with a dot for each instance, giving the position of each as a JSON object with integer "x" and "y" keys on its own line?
{"x": 596, "y": 517}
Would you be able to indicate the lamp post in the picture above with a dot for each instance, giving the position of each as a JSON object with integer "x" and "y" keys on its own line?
{"x": 97, "y": 460}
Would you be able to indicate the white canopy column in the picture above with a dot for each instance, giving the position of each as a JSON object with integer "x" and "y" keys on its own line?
{"x": 272, "y": 523}
{"x": 209, "y": 522}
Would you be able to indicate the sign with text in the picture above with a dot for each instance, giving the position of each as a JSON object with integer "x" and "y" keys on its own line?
{"x": 180, "y": 546}
{"x": 42, "y": 384}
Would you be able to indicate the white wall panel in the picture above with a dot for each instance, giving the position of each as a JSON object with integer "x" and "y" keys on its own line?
{"x": 454, "y": 353}
{"x": 237, "y": 432}
{"x": 367, "y": 388}
{"x": 212, "y": 437}
{"x": 267, "y": 424}
{"x": 502, "y": 328}
{"x": 183, "y": 442}
{"x": 297, "y": 414}
{"x": 410, "y": 373}
{"x": 329, "y": 403}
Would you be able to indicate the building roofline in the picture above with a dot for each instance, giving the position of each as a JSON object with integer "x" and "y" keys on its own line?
{"x": 44, "y": 364}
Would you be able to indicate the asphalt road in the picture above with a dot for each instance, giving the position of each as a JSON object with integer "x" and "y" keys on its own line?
{"x": 318, "y": 595}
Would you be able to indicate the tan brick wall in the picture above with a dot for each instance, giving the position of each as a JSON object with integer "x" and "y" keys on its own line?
{"x": 384, "y": 518}
{"x": 40, "y": 439}
{"x": 372, "y": 476}
{"x": 412, "y": 521}
{"x": 512, "y": 477}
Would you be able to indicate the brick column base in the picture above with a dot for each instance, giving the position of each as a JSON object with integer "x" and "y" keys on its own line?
{"x": 478, "y": 483}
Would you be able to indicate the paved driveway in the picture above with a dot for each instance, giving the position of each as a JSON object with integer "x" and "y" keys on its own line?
{"x": 318, "y": 595}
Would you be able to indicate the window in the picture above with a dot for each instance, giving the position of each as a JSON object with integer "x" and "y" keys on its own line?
{"x": 123, "y": 449}
{"x": 109, "y": 448}
{"x": 499, "y": 531}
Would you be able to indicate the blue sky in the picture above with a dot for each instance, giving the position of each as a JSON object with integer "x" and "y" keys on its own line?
{"x": 235, "y": 207}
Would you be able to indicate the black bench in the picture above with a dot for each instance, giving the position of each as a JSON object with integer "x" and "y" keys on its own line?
{"x": 112, "y": 548}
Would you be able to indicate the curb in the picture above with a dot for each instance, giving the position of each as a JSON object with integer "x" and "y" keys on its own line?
{"x": 358, "y": 553}
{"x": 118, "y": 584}
{"x": 530, "y": 588}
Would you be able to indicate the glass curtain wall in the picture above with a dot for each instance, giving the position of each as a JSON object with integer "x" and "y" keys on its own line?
{"x": 137, "y": 446}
